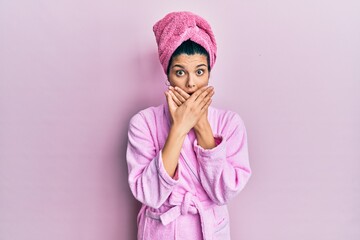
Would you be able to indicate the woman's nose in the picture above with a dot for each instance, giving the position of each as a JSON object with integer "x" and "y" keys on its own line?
{"x": 191, "y": 82}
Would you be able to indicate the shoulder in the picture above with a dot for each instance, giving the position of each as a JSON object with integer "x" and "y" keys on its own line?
{"x": 146, "y": 115}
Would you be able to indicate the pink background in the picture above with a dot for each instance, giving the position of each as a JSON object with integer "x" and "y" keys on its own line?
{"x": 72, "y": 73}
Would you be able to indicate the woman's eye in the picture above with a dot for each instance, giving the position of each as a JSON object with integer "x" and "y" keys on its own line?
{"x": 180, "y": 73}
{"x": 199, "y": 72}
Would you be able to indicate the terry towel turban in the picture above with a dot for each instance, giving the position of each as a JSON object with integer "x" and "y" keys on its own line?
{"x": 177, "y": 27}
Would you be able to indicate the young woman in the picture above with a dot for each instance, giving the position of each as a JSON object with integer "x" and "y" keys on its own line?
{"x": 186, "y": 159}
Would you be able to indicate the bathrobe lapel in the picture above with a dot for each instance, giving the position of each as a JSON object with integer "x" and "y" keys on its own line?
{"x": 188, "y": 154}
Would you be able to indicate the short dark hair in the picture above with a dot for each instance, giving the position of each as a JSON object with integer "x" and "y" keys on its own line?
{"x": 190, "y": 48}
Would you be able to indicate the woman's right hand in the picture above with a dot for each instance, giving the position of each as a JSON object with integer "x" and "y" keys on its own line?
{"x": 185, "y": 116}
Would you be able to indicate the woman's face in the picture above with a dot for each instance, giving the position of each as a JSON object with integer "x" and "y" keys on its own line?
{"x": 189, "y": 72}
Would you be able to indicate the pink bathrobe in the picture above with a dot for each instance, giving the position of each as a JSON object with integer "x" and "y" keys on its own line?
{"x": 192, "y": 205}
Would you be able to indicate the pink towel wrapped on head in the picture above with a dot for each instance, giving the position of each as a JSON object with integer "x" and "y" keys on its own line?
{"x": 177, "y": 27}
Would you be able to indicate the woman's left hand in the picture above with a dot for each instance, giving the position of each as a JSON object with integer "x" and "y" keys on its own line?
{"x": 180, "y": 96}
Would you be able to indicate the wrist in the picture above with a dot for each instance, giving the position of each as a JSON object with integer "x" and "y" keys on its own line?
{"x": 201, "y": 126}
{"x": 204, "y": 135}
{"x": 177, "y": 131}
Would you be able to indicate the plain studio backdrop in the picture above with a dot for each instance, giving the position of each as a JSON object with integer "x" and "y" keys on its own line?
{"x": 72, "y": 74}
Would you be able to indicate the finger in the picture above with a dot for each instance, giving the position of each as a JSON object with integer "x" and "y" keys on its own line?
{"x": 207, "y": 98}
{"x": 204, "y": 94}
{"x": 175, "y": 99}
{"x": 184, "y": 94}
{"x": 200, "y": 104}
{"x": 206, "y": 106}
{"x": 211, "y": 94}
{"x": 205, "y": 101}
{"x": 178, "y": 96}
{"x": 170, "y": 101}
{"x": 197, "y": 93}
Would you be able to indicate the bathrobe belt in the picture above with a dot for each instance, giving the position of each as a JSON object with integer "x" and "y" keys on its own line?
{"x": 189, "y": 204}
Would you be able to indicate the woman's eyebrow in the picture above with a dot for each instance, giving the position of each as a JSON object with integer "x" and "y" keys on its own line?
{"x": 180, "y": 66}
{"x": 201, "y": 65}
{"x": 177, "y": 65}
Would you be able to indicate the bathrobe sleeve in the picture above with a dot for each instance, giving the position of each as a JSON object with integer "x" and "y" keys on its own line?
{"x": 224, "y": 169}
{"x": 148, "y": 179}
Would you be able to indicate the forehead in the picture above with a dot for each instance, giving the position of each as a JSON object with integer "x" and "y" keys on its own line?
{"x": 189, "y": 60}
